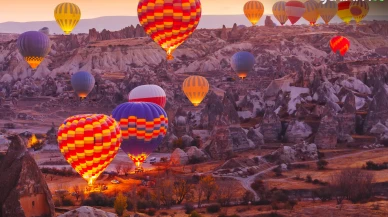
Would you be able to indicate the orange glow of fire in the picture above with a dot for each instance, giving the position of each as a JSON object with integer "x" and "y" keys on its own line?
{"x": 32, "y": 141}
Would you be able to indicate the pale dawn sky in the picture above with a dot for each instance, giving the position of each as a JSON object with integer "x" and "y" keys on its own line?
{"x": 42, "y": 10}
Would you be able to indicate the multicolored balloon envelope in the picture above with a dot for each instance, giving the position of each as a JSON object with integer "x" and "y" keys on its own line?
{"x": 195, "y": 88}
{"x": 148, "y": 93}
{"x": 279, "y": 11}
{"x": 328, "y": 10}
{"x": 311, "y": 14}
{"x": 344, "y": 11}
{"x": 169, "y": 22}
{"x": 143, "y": 126}
{"x": 67, "y": 16}
{"x": 253, "y": 10}
{"x": 242, "y": 62}
{"x": 89, "y": 143}
{"x": 339, "y": 44}
{"x": 359, "y": 9}
{"x": 33, "y": 46}
{"x": 294, "y": 11}
{"x": 82, "y": 83}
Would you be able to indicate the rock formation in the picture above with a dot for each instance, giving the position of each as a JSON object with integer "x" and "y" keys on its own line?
{"x": 23, "y": 190}
{"x": 378, "y": 109}
{"x": 127, "y": 32}
{"x": 326, "y": 137}
{"x": 179, "y": 157}
{"x": 289, "y": 154}
{"x": 268, "y": 22}
{"x": 297, "y": 131}
{"x": 271, "y": 126}
{"x": 87, "y": 211}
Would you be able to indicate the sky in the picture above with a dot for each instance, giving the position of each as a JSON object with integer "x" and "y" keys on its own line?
{"x": 42, "y": 10}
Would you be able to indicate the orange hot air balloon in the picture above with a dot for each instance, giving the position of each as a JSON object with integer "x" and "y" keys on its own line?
{"x": 89, "y": 143}
{"x": 169, "y": 22}
{"x": 344, "y": 11}
{"x": 339, "y": 43}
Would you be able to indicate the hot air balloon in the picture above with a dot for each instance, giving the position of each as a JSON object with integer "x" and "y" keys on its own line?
{"x": 169, "y": 23}
{"x": 311, "y": 14}
{"x": 195, "y": 89}
{"x": 242, "y": 62}
{"x": 339, "y": 43}
{"x": 89, "y": 143}
{"x": 143, "y": 126}
{"x": 253, "y": 10}
{"x": 148, "y": 93}
{"x": 328, "y": 10}
{"x": 33, "y": 46}
{"x": 67, "y": 16}
{"x": 279, "y": 11}
{"x": 344, "y": 11}
{"x": 82, "y": 83}
{"x": 45, "y": 31}
{"x": 294, "y": 11}
{"x": 359, "y": 9}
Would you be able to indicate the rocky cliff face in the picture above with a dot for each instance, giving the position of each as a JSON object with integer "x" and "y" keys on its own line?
{"x": 23, "y": 190}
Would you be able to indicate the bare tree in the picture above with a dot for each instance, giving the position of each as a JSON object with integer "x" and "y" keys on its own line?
{"x": 182, "y": 189}
{"x": 164, "y": 191}
{"x": 225, "y": 192}
{"x": 118, "y": 168}
{"x": 133, "y": 197}
{"x": 352, "y": 184}
{"x": 208, "y": 185}
{"x": 126, "y": 169}
{"x": 76, "y": 192}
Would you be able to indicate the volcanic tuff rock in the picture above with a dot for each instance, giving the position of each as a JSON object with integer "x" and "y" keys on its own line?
{"x": 219, "y": 145}
{"x": 194, "y": 152}
{"x": 179, "y": 157}
{"x": 87, "y": 211}
{"x": 297, "y": 131}
{"x": 289, "y": 154}
{"x": 268, "y": 22}
{"x": 256, "y": 137}
{"x": 377, "y": 109}
{"x": 271, "y": 126}
{"x": 127, "y": 32}
{"x": 347, "y": 117}
{"x": 327, "y": 134}
{"x": 23, "y": 190}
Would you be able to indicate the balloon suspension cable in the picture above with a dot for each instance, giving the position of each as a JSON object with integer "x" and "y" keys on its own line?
{"x": 90, "y": 181}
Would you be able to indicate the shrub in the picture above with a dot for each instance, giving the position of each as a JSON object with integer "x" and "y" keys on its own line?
{"x": 67, "y": 202}
{"x": 57, "y": 203}
{"x": 214, "y": 208}
{"x": 178, "y": 143}
{"x": 321, "y": 164}
{"x": 98, "y": 199}
{"x": 278, "y": 171}
{"x": 370, "y": 165}
{"x": 248, "y": 197}
{"x": 195, "y": 214}
{"x": 163, "y": 213}
{"x": 309, "y": 178}
{"x": 151, "y": 212}
{"x": 324, "y": 194}
{"x": 321, "y": 155}
{"x": 189, "y": 208}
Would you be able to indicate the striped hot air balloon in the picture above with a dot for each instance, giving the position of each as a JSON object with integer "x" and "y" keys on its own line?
{"x": 311, "y": 14}
{"x": 279, "y": 11}
{"x": 339, "y": 44}
{"x": 242, "y": 63}
{"x": 328, "y": 10}
{"x": 33, "y": 46}
{"x": 170, "y": 22}
{"x": 344, "y": 11}
{"x": 359, "y": 10}
{"x": 294, "y": 11}
{"x": 89, "y": 143}
{"x": 148, "y": 93}
{"x": 143, "y": 126}
{"x": 67, "y": 16}
{"x": 82, "y": 83}
{"x": 253, "y": 10}
{"x": 195, "y": 88}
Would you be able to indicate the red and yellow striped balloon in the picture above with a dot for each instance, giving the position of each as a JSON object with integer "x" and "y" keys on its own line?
{"x": 89, "y": 143}
{"x": 339, "y": 43}
{"x": 169, "y": 22}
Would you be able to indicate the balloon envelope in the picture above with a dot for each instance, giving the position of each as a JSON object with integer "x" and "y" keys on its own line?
{"x": 242, "y": 62}
{"x": 148, "y": 93}
{"x": 253, "y": 10}
{"x": 359, "y": 10}
{"x": 82, "y": 83}
{"x": 279, "y": 11}
{"x": 311, "y": 14}
{"x": 33, "y": 46}
{"x": 328, "y": 10}
{"x": 344, "y": 11}
{"x": 45, "y": 31}
{"x": 169, "y": 23}
{"x": 67, "y": 16}
{"x": 294, "y": 11}
{"x": 143, "y": 126}
{"x": 195, "y": 89}
{"x": 339, "y": 44}
{"x": 89, "y": 143}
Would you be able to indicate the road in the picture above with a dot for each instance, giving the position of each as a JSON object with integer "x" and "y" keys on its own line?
{"x": 246, "y": 182}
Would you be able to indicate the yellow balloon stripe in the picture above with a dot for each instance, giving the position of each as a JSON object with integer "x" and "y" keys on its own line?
{"x": 195, "y": 88}
{"x": 67, "y": 16}
{"x": 253, "y": 10}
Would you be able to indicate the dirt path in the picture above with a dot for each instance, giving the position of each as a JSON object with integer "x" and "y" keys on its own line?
{"x": 246, "y": 182}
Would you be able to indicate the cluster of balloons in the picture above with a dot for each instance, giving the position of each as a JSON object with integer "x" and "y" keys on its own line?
{"x": 310, "y": 10}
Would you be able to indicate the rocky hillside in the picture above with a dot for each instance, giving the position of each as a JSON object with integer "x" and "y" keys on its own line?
{"x": 298, "y": 91}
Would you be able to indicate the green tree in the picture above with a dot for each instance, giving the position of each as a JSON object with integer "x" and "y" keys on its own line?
{"x": 120, "y": 204}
